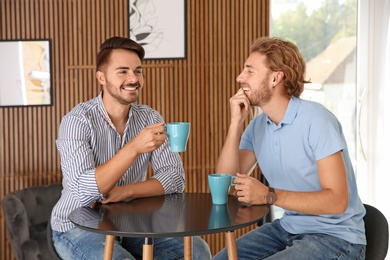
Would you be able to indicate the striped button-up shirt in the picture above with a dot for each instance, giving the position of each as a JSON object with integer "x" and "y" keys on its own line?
{"x": 87, "y": 138}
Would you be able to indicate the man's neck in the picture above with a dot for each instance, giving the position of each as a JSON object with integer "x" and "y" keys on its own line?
{"x": 276, "y": 108}
{"x": 118, "y": 114}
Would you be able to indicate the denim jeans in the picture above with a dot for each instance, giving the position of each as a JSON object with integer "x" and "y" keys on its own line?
{"x": 270, "y": 241}
{"x": 80, "y": 244}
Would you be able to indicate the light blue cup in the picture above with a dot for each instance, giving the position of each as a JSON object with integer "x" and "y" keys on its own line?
{"x": 219, "y": 184}
{"x": 178, "y": 133}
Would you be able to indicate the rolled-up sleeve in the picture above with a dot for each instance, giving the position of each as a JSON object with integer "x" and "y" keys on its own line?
{"x": 77, "y": 160}
{"x": 167, "y": 166}
{"x": 168, "y": 169}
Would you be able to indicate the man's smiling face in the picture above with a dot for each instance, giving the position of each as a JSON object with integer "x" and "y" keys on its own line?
{"x": 255, "y": 80}
{"x": 123, "y": 76}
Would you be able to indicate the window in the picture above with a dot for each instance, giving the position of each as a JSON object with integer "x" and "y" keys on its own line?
{"x": 325, "y": 32}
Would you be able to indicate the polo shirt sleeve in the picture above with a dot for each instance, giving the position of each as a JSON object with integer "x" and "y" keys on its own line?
{"x": 326, "y": 135}
{"x": 246, "y": 140}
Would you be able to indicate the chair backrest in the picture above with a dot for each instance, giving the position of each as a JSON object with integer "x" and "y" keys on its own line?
{"x": 26, "y": 213}
{"x": 377, "y": 233}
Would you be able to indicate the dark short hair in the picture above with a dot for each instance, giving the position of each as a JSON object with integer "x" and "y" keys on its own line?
{"x": 117, "y": 43}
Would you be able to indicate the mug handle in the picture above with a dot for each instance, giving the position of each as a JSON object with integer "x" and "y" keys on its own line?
{"x": 231, "y": 180}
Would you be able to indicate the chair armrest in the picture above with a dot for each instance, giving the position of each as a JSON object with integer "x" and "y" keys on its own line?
{"x": 30, "y": 250}
{"x": 16, "y": 221}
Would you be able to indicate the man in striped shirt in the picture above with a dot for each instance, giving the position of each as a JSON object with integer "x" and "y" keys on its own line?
{"x": 105, "y": 146}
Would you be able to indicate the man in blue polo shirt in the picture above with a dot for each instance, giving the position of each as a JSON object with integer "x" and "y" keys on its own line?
{"x": 301, "y": 150}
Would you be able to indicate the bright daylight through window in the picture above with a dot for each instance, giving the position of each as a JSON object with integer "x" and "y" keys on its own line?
{"x": 325, "y": 32}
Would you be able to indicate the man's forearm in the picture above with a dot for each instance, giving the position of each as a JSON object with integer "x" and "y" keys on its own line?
{"x": 228, "y": 161}
{"x": 148, "y": 188}
{"x": 116, "y": 167}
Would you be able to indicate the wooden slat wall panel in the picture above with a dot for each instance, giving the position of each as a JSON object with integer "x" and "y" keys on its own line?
{"x": 196, "y": 89}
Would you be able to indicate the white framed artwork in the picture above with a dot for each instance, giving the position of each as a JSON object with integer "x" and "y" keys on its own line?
{"x": 159, "y": 26}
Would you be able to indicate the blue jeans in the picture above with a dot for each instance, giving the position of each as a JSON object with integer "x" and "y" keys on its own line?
{"x": 271, "y": 241}
{"x": 80, "y": 244}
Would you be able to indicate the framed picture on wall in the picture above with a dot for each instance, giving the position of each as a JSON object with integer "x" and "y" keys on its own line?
{"x": 160, "y": 27}
{"x": 25, "y": 78}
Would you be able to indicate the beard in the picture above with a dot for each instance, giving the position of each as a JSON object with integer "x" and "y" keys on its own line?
{"x": 115, "y": 93}
{"x": 263, "y": 94}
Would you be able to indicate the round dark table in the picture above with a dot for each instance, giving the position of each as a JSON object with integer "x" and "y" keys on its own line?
{"x": 174, "y": 215}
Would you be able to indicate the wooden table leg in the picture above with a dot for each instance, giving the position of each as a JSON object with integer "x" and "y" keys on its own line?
{"x": 231, "y": 245}
{"x": 108, "y": 247}
{"x": 147, "y": 249}
{"x": 188, "y": 248}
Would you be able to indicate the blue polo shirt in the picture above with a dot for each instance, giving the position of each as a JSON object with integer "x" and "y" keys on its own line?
{"x": 287, "y": 155}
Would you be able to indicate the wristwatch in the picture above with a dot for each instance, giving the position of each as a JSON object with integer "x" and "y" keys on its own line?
{"x": 271, "y": 196}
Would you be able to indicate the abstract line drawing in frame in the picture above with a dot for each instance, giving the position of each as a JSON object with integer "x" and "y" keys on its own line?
{"x": 159, "y": 26}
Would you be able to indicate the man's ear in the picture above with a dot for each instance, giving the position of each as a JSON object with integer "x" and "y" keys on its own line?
{"x": 100, "y": 77}
{"x": 278, "y": 77}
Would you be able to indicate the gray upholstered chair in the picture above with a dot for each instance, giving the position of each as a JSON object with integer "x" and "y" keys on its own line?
{"x": 26, "y": 214}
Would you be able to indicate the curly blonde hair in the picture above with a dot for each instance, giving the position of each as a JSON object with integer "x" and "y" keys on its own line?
{"x": 282, "y": 55}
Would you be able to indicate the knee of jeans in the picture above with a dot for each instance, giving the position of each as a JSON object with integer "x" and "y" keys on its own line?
{"x": 221, "y": 255}
{"x": 201, "y": 249}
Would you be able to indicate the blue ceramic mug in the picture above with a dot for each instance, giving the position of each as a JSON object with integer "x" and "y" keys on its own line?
{"x": 219, "y": 184}
{"x": 178, "y": 133}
